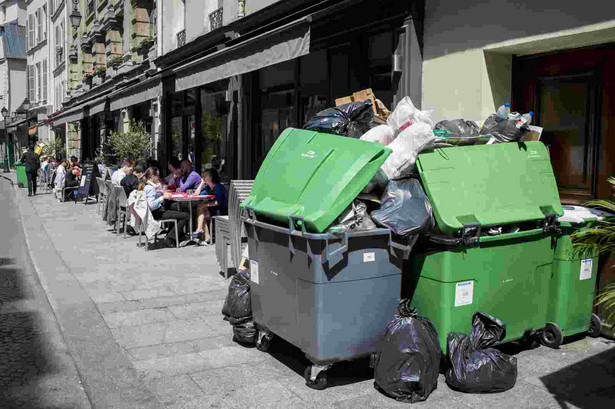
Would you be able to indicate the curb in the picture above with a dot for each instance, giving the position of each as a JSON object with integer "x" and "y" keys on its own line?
{"x": 112, "y": 380}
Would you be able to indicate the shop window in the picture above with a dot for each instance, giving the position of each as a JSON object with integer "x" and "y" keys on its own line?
{"x": 277, "y": 75}
{"x": 277, "y": 115}
{"x": 314, "y": 84}
{"x": 215, "y": 138}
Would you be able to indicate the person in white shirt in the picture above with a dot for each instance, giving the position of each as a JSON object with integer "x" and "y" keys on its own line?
{"x": 128, "y": 166}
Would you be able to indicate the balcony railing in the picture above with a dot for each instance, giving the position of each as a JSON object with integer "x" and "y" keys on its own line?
{"x": 91, "y": 7}
{"x": 215, "y": 19}
{"x": 181, "y": 38}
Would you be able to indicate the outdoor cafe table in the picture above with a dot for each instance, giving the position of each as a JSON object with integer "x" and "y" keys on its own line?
{"x": 210, "y": 201}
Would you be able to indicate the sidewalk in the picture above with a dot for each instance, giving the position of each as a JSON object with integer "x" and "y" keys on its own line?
{"x": 155, "y": 317}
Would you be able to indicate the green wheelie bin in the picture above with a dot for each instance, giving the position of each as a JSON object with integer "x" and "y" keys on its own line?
{"x": 496, "y": 209}
{"x": 22, "y": 176}
{"x": 573, "y": 283}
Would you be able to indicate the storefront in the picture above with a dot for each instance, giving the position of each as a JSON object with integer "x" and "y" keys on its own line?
{"x": 234, "y": 103}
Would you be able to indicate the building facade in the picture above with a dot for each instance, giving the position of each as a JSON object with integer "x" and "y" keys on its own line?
{"x": 12, "y": 72}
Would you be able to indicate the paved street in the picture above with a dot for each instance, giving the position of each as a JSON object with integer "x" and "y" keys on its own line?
{"x": 144, "y": 330}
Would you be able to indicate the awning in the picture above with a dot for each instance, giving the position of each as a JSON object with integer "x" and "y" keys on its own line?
{"x": 97, "y": 106}
{"x": 70, "y": 115}
{"x": 281, "y": 44}
{"x": 14, "y": 125}
{"x": 136, "y": 94}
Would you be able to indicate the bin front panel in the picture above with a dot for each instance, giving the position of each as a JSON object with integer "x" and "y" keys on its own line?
{"x": 508, "y": 279}
{"x": 489, "y": 184}
{"x": 314, "y": 175}
{"x": 329, "y": 313}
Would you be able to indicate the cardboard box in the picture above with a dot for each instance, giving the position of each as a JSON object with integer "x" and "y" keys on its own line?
{"x": 381, "y": 113}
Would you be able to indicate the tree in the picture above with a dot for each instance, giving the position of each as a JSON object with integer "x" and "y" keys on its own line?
{"x": 134, "y": 144}
{"x": 600, "y": 237}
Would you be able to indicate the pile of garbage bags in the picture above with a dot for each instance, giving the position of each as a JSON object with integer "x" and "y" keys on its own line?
{"x": 237, "y": 308}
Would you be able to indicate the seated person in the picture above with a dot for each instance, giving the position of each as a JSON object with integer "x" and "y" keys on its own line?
{"x": 131, "y": 181}
{"x": 210, "y": 185}
{"x": 190, "y": 180}
{"x": 172, "y": 179}
{"x": 73, "y": 175}
{"x": 60, "y": 173}
{"x": 128, "y": 166}
{"x": 155, "y": 201}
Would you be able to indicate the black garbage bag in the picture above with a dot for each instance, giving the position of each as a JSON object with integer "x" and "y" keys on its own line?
{"x": 407, "y": 363}
{"x": 504, "y": 131}
{"x": 245, "y": 333}
{"x": 353, "y": 119}
{"x": 237, "y": 304}
{"x": 476, "y": 368}
{"x": 459, "y": 128}
{"x": 405, "y": 208}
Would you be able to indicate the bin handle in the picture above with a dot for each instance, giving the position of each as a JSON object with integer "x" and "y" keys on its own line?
{"x": 336, "y": 254}
{"x": 405, "y": 248}
{"x": 291, "y": 230}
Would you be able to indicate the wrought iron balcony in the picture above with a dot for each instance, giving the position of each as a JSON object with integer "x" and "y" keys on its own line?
{"x": 215, "y": 19}
{"x": 91, "y": 6}
{"x": 181, "y": 38}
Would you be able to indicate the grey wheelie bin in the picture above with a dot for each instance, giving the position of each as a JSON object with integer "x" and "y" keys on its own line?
{"x": 330, "y": 295}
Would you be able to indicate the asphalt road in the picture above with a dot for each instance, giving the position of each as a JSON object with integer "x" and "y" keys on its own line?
{"x": 36, "y": 370}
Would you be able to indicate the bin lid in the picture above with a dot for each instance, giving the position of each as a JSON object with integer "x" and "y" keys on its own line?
{"x": 489, "y": 184}
{"x": 313, "y": 175}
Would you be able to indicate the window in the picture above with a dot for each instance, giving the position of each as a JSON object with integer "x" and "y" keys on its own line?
{"x": 30, "y": 31}
{"x": 39, "y": 81}
{"x": 45, "y": 72}
{"x": 59, "y": 44}
{"x": 3, "y": 13}
{"x": 31, "y": 85}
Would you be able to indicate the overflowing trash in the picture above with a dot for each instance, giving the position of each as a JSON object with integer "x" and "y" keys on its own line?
{"x": 405, "y": 208}
{"x": 237, "y": 308}
{"x": 406, "y": 147}
{"x": 458, "y": 128}
{"x": 355, "y": 217}
{"x": 353, "y": 119}
{"x": 407, "y": 363}
{"x": 474, "y": 366}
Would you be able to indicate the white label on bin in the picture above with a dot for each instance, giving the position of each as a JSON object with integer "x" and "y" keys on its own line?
{"x": 586, "y": 269}
{"x": 254, "y": 271}
{"x": 83, "y": 178}
{"x": 369, "y": 257}
{"x": 464, "y": 292}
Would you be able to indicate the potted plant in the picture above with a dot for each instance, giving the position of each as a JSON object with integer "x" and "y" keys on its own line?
{"x": 87, "y": 78}
{"x": 143, "y": 47}
{"x": 601, "y": 238}
{"x": 115, "y": 61}
{"x": 100, "y": 71}
{"x": 134, "y": 143}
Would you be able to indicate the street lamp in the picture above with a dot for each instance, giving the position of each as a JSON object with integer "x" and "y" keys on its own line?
{"x": 75, "y": 16}
{"x": 5, "y": 113}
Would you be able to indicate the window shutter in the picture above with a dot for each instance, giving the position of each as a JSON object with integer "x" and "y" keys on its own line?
{"x": 39, "y": 81}
{"x": 31, "y": 83}
{"x": 44, "y": 17}
{"x": 45, "y": 72}
{"x": 30, "y": 31}
{"x": 39, "y": 26}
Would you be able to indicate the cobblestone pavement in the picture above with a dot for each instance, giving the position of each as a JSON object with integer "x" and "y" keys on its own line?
{"x": 36, "y": 370}
{"x": 162, "y": 308}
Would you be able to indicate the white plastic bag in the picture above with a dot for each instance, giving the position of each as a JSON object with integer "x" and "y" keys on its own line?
{"x": 382, "y": 134}
{"x": 406, "y": 148}
{"x": 405, "y": 114}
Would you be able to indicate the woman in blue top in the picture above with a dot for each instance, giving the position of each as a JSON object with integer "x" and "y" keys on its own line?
{"x": 155, "y": 201}
{"x": 210, "y": 185}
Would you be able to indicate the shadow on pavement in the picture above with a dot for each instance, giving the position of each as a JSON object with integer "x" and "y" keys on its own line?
{"x": 586, "y": 384}
{"x": 341, "y": 373}
{"x": 23, "y": 357}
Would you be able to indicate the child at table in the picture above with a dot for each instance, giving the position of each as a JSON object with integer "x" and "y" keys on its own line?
{"x": 210, "y": 185}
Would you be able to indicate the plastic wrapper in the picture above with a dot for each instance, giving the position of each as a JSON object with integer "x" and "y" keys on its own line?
{"x": 353, "y": 119}
{"x": 459, "y": 128}
{"x": 407, "y": 362}
{"x": 245, "y": 333}
{"x": 382, "y": 134}
{"x": 237, "y": 305}
{"x": 406, "y": 114}
{"x": 504, "y": 131}
{"x": 406, "y": 148}
{"x": 405, "y": 208}
{"x": 354, "y": 218}
{"x": 476, "y": 368}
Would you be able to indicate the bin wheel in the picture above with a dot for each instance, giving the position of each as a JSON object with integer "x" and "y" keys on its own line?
{"x": 321, "y": 379}
{"x": 21, "y": 185}
{"x": 551, "y": 336}
{"x": 595, "y": 326}
{"x": 263, "y": 344}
